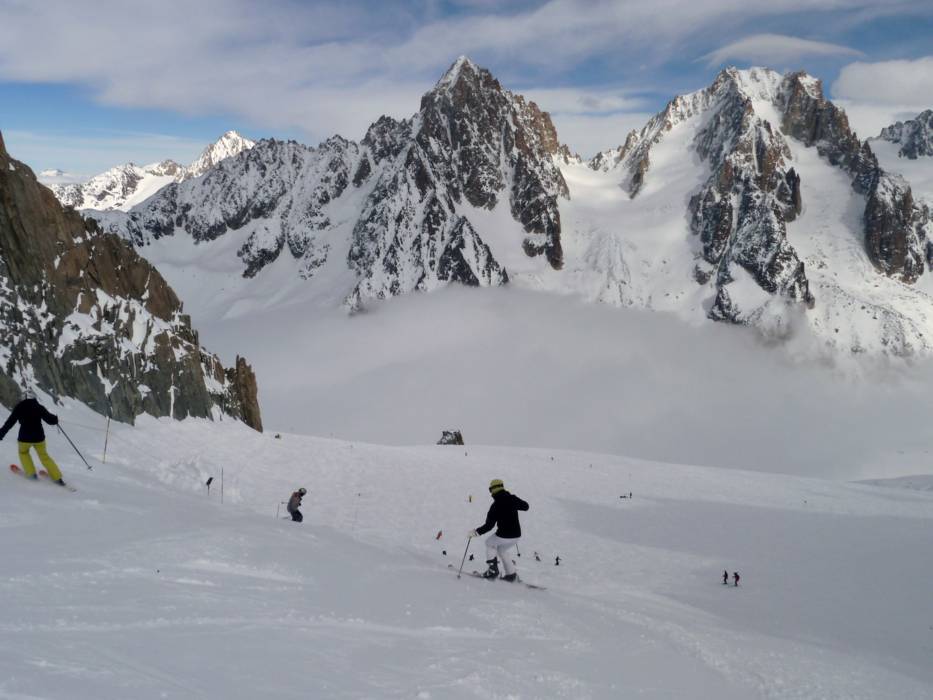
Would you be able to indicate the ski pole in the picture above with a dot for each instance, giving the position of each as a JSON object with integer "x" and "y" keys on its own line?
{"x": 464, "y": 556}
{"x": 62, "y": 431}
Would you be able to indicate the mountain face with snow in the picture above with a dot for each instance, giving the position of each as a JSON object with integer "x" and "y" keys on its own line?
{"x": 755, "y": 133}
{"x": 914, "y": 137}
{"x": 124, "y": 186}
{"x": 400, "y": 206}
{"x": 83, "y": 315}
{"x": 750, "y": 201}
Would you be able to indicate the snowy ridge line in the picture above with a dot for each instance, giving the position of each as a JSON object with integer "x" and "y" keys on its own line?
{"x": 124, "y": 186}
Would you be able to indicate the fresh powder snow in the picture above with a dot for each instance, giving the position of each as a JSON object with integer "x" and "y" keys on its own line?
{"x": 144, "y": 584}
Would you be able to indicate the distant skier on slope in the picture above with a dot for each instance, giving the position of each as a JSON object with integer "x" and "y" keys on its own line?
{"x": 294, "y": 503}
{"x": 504, "y": 513}
{"x": 725, "y": 578}
{"x": 736, "y": 577}
{"x": 30, "y": 414}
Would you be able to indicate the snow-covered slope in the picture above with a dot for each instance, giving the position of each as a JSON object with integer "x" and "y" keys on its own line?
{"x": 144, "y": 585}
{"x": 125, "y": 186}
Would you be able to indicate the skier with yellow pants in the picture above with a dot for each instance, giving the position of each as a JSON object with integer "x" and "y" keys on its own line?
{"x": 30, "y": 414}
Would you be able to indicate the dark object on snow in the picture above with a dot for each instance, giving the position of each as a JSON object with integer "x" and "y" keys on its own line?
{"x": 278, "y": 436}
{"x": 30, "y": 414}
{"x": 444, "y": 552}
{"x": 294, "y": 503}
{"x": 537, "y": 558}
{"x": 451, "y": 437}
{"x": 504, "y": 513}
{"x": 725, "y": 577}
{"x": 439, "y": 534}
{"x": 736, "y": 577}
{"x": 471, "y": 557}
{"x": 556, "y": 561}
{"x": 209, "y": 481}
{"x": 493, "y": 570}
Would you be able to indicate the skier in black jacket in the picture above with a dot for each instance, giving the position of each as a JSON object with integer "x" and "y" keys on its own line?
{"x": 504, "y": 513}
{"x": 294, "y": 503}
{"x": 30, "y": 414}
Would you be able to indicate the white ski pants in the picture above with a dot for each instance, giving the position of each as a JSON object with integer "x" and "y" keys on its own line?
{"x": 499, "y": 547}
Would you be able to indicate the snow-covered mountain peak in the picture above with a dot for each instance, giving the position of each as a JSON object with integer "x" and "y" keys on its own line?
{"x": 462, "y": 67}
{"x": 163, "y": 168}
{"x": 124, "y": 186}
{"x": 230, "y": 144}
{"x": 915, "y": 136}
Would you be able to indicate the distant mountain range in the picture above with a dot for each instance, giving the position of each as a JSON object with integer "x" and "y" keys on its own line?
{"x": 750, "y": 201}
{"x": 125, "y": 186}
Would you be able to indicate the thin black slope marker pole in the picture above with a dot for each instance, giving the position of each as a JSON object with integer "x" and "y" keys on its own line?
{"x": 62, "y": 431}
{"x": 464, "y": 556}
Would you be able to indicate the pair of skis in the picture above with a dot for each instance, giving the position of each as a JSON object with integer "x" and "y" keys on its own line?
{"x": 43, "y": 475}
{"x": 477, "y": 574}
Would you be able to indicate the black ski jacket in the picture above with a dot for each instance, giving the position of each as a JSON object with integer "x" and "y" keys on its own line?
{"x": 504, "y": 512}
{"x": 30, "y": 414}
{"x": 294, "y": 503}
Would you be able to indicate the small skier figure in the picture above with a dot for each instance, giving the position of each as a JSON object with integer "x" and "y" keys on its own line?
{"x": 736, "y": 577}
{"x": 30, "y": 414}
{"x": 294, "y": 503}
{"x": 725, "y": 578}
{"x": 504, "y": 513}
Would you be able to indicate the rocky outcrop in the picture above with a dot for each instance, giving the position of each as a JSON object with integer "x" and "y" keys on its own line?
{"x": 915, "y": 136}
{"x": 83, "y": 315}
{"x": 451, "y": 437}
{"x": 895, "y": 225}
{"x": 740, "y": 214}
{"x": 472, "y": 143}
{"x": 485, "y": 141}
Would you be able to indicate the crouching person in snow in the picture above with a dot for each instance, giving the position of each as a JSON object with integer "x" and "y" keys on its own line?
{"x": 504, "y": 513}
{"x": 30, "y": 414}
{"x": 294, "y": 503}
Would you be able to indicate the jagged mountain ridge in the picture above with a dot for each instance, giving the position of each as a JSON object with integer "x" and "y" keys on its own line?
{"x": 752, "y": 128}
{"x": 915, "y": 136}
{"x": 83, "y": 315}
{"x": 124, "y": 186}
{"x": 711, "y": 210}
{"x": 399, "y": 205}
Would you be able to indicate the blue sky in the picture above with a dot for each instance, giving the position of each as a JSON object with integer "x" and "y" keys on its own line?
{"x": 88, "y": 85}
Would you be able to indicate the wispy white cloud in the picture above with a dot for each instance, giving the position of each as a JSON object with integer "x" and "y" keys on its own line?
{"x": 335, "y": 65}
{"x": 875, "y": 95}
{"x": 595, "y": 100}
{"x": 775, "y": 50}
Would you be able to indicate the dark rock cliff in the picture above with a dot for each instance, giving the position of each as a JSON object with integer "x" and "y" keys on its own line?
{"x": 83, "y": 315}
